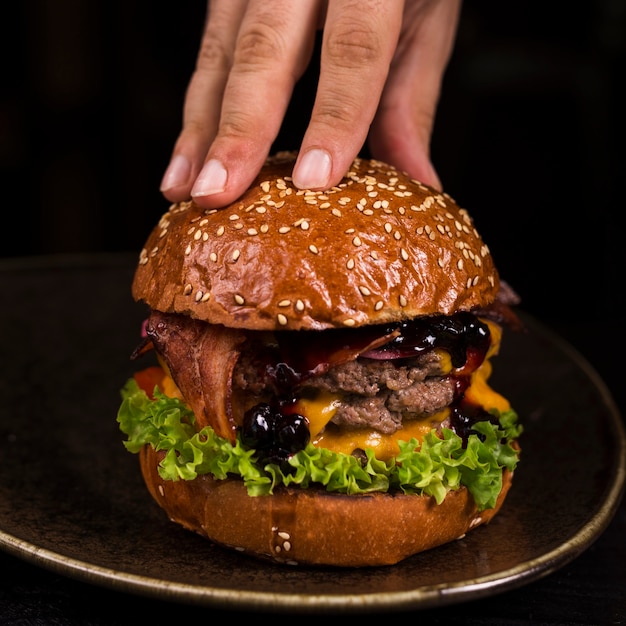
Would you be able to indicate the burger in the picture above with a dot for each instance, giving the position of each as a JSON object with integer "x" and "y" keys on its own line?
{"x": 319, "y": 385}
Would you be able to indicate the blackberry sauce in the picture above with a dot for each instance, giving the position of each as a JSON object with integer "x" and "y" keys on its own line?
{"x": 276, "y": 432}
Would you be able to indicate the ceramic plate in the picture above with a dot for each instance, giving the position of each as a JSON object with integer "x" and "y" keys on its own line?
{"x": 72, "y": 499}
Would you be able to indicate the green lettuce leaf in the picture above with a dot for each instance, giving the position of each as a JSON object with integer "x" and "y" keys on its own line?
{"x": 433, "y": 467}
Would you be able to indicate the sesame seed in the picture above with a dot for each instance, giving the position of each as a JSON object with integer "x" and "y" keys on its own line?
{"x": 379, "y": 305}
{"x": 206, "y": 297}
{"x": 236, "y": 254}
{"x": 213, "y": 257}
{"x": 252, "y": 231}
{"x": 314, "y": 249}
{"x": 349, "y": 322}
{"x": 234, "y": 217}
{"x": 284, "y": 229}
{"x": 220, "y": 231}
{"x": 459, "y": 264}
{"x": 403, "y": 301}
{"x": 350, "y": 264}
{"x": 239, "y": 299}
{"x": 199, "y": 295}
{"x": 364, "y": 290}
{"x": 357, "y": 241}
{"x": 299, "y": 305}
{"x": 282, "y": 319}
{"x": 188, "y": 250}
{"x": 404, "y": 254}
{"x": 284, "y": 303}
{"x": 188, "y": 289}
{"x": 283, "y": 534}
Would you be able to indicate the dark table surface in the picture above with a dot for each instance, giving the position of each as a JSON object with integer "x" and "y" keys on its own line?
{"x": 589, "y": 589}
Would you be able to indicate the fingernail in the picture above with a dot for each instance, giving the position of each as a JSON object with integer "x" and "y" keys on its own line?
{"x": 313, "y": 170}
{"x": 212, "y": 179}
{"x": 176, "y": 173}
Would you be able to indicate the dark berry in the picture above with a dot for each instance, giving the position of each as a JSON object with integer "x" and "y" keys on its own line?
{"x": 258, "y": 427}
{"x": 292, "y": 432}
{"x": 274, "y": 435}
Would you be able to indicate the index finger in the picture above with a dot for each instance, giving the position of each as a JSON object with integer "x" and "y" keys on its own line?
{"x": 274, "y": 45}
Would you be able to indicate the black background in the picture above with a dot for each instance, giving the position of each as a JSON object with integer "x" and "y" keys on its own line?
{"x": 529, "y": 138}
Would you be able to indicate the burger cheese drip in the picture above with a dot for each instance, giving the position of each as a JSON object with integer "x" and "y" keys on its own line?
{"x": 343, "y": 390}
{"x": 429, "y": 373}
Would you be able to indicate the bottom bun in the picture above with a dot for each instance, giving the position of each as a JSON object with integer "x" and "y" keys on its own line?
{"x": 314, "y": 526}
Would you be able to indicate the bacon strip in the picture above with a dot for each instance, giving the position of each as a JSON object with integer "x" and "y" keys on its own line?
{"x": 201, "y": 358}
{"x": 313, "y": 353}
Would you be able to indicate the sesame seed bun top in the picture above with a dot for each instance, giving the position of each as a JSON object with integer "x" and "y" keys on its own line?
{"x": 378, "y": 247}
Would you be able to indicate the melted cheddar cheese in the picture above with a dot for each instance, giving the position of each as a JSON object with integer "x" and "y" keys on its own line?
{"x": 321, "y": 409}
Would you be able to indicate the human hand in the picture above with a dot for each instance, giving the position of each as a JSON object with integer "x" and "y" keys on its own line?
{"x": 381, "y": 70}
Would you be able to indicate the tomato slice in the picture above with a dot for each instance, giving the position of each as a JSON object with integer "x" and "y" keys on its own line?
{"x": 149, "y": 378}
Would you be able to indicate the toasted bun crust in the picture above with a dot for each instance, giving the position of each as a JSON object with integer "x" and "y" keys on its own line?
{"x": 315, "y": 527}
{"x": 379, "y": 247}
